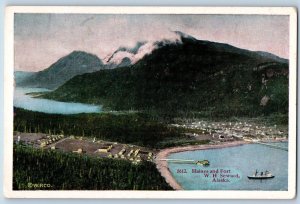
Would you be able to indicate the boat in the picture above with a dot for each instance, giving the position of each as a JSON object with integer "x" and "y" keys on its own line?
{"x": 261, "y": 175}
{"x": 203, "y": 162}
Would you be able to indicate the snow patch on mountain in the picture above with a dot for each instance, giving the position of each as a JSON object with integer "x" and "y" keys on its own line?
{"x": 134, "y": 54}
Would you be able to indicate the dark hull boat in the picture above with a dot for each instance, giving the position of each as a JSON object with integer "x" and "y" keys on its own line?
{"x": 261, "y": 177}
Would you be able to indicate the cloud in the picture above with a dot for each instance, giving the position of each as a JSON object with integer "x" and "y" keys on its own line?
{"x": 144, "y": 48}
{"x": 41, "y": 39}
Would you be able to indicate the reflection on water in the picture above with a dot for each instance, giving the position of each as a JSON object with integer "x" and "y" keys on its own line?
{"x": 240, "y": 160}
{"x": 21, "y": 100}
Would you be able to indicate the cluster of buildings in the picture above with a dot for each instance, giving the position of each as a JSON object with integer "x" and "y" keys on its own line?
{"x": 37, "y": 140}
{"x": 80, "y": 145}
{"x": 228, "y": 131}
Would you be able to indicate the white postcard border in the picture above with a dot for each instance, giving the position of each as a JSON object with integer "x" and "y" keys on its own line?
{"x": 195, "y": 194}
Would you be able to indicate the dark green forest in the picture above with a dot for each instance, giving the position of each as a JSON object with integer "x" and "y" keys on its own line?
{"x": 67, "y": 171}
{"x": 180, "y": 81}
{"x": 132, "y": 128}
{"x": 195, "y": 76}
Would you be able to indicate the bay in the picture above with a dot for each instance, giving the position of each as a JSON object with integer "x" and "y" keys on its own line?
{"x": 22, "y": 100}
{"x": 241, "y": 160}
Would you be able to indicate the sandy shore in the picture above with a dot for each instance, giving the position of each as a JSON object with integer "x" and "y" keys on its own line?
{"x": 163, "y": 168}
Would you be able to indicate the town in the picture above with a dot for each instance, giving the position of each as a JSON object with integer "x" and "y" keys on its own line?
{"x": 248, "y": 131}
{"x": 215, "y": 132}
{"x": 87, "y": 146}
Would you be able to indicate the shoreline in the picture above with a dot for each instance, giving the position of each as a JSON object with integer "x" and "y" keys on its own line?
{"x": 162, "y": 166}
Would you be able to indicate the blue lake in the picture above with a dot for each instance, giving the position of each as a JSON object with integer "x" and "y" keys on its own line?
{"x": 240, "y": 161}
{"x": 21, "y": 100}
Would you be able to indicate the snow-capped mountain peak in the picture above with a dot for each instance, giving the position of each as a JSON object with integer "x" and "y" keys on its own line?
{"x": 134, "y": 54}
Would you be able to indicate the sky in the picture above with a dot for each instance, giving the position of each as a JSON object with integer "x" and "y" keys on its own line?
{"x": 41, "y": 39}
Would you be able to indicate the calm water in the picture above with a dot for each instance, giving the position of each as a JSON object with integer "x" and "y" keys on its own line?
{"x": 22, "y": 100}
{"x": 240, "y": 161}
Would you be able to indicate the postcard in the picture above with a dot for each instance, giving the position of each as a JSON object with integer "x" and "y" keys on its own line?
{"x": 150, "y": 102}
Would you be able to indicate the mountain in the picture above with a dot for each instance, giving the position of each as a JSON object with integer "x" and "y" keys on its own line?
{"x": 271, "y": 56}
{"x": 65, "y": 68}
{"x": 125, "y": 56}
{"x": 188, "y": 75}
{"x": 20, "y": 76}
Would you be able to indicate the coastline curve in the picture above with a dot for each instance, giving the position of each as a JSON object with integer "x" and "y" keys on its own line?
{"x": 162, "y": 165}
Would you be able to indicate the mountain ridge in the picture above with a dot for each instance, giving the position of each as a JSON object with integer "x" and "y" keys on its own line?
{"x": 194, "y": 75}
{"x": 75, "y": 63}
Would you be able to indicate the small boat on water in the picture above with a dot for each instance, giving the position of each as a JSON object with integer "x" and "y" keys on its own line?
{"x": 261, "y": 175}
{"x": 203, "y": 162}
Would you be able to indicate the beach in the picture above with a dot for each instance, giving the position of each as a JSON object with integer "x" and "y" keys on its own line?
{"x": 162, "y": 165}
